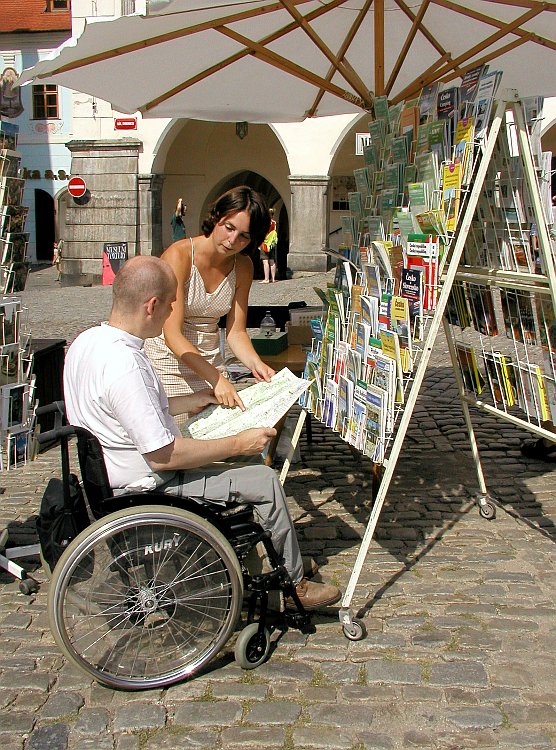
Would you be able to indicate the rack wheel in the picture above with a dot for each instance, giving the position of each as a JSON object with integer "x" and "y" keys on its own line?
{"x": 356, "y": 631}
{"x": 252, "y": 647}
{"x": 28, "y": 586}
{"x": 487, "y": 511}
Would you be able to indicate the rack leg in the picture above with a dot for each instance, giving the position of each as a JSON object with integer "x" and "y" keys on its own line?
{"x": 293, "y": 446}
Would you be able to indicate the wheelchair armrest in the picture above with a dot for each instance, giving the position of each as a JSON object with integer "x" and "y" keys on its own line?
{"x": 56, "y": 433}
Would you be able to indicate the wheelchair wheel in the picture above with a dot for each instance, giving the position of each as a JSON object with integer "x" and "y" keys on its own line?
{"x": 145, "y": 597}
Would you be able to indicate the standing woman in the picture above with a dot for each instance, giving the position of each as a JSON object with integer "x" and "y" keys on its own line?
{"x": 214, "y": 279}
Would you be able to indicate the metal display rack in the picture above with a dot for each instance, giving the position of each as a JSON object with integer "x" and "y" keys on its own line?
{"x": 508, "y": 118}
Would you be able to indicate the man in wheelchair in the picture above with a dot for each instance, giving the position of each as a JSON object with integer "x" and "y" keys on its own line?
{"x": 111, "y": 389}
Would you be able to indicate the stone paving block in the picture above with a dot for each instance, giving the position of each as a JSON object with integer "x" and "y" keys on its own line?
{"x": 375, "y": 741}
{"x": 394, "y": 672}
{"x": 369, "y": 693}
{"x": 60, "y": 704}
{"x": 207, "y": 713}
{"x": 253, "y": 738}
{"x": 183, "y": 740}
{"x": 276, "y": 671}
{"x": 139, "y": 716}
{"x": 478, "y": 717}
{"x": 53, "y": 737}
{"x": 240, "y": 691}
{"x": 322, "y": 738}
{"x": 128, "y": 742}
{"x": 340, "y": 715}
{"x": 16, "y": 721}
{"x": 16, "y": 620}
{"x": 92, "y": 743}
{"x": 92, "y": 721}
{"x": 273, "y": 712}
{"x": 460, "y": 673}
{"x": 337, "y": 674}
{"x": 517, "y": 740}
{"x": 12, "y": 743}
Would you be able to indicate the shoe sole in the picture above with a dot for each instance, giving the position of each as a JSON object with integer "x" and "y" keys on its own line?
{"x": 311, "y": 607}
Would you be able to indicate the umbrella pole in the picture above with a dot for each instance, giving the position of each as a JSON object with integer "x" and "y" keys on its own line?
{"x": 378, "y": 9}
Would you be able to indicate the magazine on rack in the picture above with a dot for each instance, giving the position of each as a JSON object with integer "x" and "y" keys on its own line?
{"x": 265, "y": 404}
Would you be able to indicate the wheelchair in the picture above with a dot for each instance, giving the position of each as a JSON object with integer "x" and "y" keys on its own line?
{"x": 152, "y": 590}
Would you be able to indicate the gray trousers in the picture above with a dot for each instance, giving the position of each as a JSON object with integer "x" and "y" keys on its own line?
{"x": 252, "y": 484}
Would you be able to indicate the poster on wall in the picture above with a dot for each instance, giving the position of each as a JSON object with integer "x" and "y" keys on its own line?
{"x": 113, "y": 257}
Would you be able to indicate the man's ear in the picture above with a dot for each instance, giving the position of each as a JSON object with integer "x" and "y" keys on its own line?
{"x": 150, "y": 305}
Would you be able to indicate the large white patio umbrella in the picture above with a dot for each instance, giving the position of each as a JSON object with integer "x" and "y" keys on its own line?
{"x": 284, "y": 60}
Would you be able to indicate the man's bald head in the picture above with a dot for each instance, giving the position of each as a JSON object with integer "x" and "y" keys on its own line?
{"x": 140, "y": 279}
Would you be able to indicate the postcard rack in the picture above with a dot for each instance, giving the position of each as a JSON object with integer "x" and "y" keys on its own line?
{"x": 485, "y": 224}
{"x": 17, "y": 383}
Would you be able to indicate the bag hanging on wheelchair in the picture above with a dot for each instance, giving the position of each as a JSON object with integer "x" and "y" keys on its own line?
{"x": 59, "y": 521}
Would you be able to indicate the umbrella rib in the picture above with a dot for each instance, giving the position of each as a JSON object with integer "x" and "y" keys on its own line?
{"x": 321, "y": 10}
{"x": 166, "y": 37}
{"x": 346, "y": 72}
{"x": 452, "y": 66}
{"x": 426, "y": 77}
{"x": 416, "y": 25}
{"x": 491, "y": 21}
{"x": 341, "y": 52}
{"x": 272, "y": 58}
{"x": 489, "y": 41}
{"x": 486, "y": 58}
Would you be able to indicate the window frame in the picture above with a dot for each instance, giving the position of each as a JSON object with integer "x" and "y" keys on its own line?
{"x": 45, "y": 94}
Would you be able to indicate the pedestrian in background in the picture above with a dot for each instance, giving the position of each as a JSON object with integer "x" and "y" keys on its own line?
{"x": 268, "y": 251}
{"x": 57, "y": 259}
{"x": 178, "y": 225}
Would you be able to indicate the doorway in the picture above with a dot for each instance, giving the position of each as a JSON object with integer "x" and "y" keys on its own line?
{"x": 45, "y": 226}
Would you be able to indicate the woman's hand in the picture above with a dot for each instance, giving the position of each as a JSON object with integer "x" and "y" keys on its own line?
{"x": 226, "y": 394}
{"x": 262, "y": 372}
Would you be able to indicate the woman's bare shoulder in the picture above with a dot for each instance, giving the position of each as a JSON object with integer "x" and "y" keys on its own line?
{"x": 178, "y": 255}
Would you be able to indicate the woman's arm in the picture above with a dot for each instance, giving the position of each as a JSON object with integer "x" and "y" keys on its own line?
{"x": 238, "y": 339}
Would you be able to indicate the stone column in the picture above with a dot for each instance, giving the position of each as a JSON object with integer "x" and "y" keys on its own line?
{"x": 108, "y": 213}
{"x": 150, "y": 214}
{"x": 309, "y": 222}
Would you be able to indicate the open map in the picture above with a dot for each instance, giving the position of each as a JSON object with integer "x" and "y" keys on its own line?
{"x": 264, "y": 403}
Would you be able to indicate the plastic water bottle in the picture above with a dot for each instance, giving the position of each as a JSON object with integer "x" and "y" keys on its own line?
{"x": 268, "y": 324}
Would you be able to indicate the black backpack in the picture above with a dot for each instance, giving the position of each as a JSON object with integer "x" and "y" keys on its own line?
{"x": 59, "y": 521}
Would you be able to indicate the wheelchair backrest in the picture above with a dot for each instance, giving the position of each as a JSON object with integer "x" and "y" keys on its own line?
{"x": 93, "y": 471}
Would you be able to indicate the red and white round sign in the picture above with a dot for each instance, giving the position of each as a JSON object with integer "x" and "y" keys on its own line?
{"x": 77, "y": 187}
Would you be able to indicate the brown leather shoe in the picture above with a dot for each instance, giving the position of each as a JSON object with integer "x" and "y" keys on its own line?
{"x": 314, "y": 595}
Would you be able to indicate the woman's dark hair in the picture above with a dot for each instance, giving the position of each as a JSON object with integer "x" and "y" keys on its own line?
{"x": 237, "y": 199}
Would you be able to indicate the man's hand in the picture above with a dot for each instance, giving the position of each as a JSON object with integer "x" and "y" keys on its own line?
{"x": 191, "y": 403}
{"x": 200, "y": 400}
{"x": 254, "y": 441}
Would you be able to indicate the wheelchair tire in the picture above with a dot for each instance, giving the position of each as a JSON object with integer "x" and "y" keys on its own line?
{"x": 252, "y": 646}
{"x": 145, "y": 597}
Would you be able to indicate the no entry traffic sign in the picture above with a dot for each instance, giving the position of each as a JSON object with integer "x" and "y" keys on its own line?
{"x": 77, "y": 187}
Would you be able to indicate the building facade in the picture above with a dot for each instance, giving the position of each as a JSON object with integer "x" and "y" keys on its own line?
{"x": 28, "y": 32}
{"x": 136, "y": 169}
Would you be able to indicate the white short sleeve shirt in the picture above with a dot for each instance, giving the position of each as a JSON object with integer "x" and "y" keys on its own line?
{"x": 111, "y": 389}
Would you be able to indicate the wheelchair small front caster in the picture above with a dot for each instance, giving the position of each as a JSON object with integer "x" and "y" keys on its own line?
{"x": 28, "y": 586}
{"x": 355, "y": 630}
{"x": 252, "y": 646}
{"x": 486, "y": 509}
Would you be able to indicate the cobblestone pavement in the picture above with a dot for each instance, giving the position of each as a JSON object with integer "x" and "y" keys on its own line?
{"x": 459, "y": 610}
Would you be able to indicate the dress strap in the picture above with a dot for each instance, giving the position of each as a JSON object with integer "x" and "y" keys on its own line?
{"x": 192, "y": 251}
